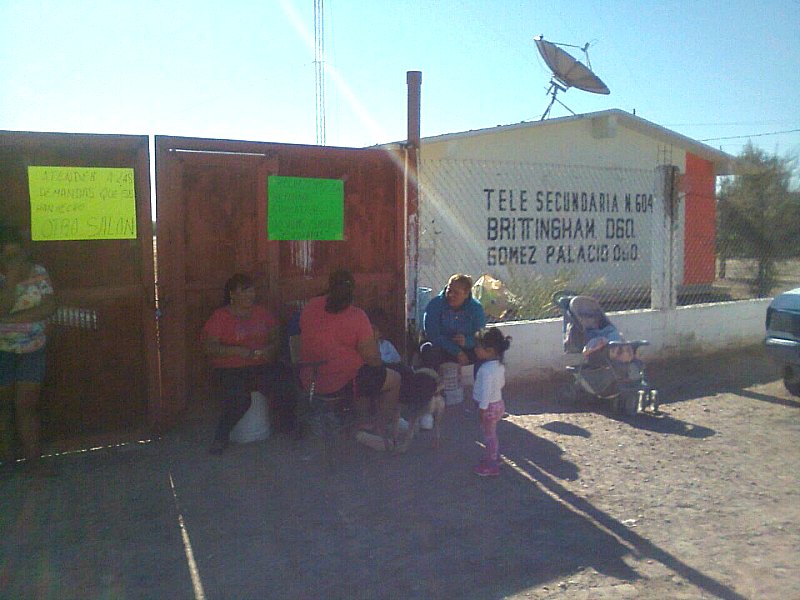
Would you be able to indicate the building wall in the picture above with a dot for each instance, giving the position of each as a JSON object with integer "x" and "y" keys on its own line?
{"x": 595, "y": 142}
{"x": 700, "y": 221}
{"x": 594, "y": 155}
{"x": 466, "y": 226}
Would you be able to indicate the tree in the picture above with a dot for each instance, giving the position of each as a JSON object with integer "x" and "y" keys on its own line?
{"x": 758, "y": 214}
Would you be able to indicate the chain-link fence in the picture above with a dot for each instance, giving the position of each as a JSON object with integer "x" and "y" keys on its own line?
{"x": 758, "y": 227}
{"x": 621, "y": 235}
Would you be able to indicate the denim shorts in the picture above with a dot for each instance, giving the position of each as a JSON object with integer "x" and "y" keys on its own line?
{"x": 28, "y": 367}
{"x": 370, "y": 380}
{"x": 367, "y": 382}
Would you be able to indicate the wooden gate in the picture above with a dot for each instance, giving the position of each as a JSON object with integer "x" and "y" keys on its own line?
{"x": 212, "y": 223}
{"x": 113, "y": 370}
{"x": 102, "y": 374}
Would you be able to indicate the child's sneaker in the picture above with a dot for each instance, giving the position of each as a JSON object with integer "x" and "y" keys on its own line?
{"x": 485, "y": 470}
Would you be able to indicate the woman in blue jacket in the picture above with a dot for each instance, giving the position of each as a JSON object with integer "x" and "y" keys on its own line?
{"x": 450, "y": 323}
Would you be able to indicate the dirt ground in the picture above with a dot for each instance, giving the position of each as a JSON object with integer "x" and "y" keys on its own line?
{"x": 740, "y": 273}
{"x": 702, "y": 502}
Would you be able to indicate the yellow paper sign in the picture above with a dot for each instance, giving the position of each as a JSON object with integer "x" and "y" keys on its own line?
{"x": 82, "y": 203}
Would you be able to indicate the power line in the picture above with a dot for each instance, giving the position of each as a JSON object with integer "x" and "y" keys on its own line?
{"x": 752, "y": 135}
{"x": 731, "y": 123}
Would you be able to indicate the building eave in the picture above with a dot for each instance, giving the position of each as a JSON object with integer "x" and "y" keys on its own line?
{"x": 722, "y": 161}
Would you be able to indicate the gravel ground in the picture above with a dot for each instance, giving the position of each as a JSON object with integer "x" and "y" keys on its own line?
{"x": 700, "y": 502}
{"x": 705, "y": 499}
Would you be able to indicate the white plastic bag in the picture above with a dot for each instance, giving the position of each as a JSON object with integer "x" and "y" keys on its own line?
{"x": 254, "y": 425}
{"x": 497, "y": 301}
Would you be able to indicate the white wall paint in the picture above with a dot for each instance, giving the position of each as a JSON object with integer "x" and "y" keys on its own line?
{"x": 536, "y": 347}
{"x": 574, "y": 142}
{"x": 501, "y": 218}
{"x": 461, "y": 232}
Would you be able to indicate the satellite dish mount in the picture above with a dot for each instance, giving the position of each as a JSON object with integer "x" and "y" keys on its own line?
{"x": 567, "y": 72}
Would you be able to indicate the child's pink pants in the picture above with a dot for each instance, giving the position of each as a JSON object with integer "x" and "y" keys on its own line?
{"x": 494, "y": 412}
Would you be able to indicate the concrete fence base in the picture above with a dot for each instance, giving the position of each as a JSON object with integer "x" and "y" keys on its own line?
{"x": 537, "y": 350}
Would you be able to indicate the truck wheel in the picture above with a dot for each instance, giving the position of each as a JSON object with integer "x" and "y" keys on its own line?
{"x": 791, "y": 379}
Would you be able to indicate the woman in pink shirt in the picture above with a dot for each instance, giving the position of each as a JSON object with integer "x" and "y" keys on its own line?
{"x": 340, "y": 335}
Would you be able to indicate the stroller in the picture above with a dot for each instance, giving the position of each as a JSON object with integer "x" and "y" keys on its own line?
{"x": 610, "y": 369}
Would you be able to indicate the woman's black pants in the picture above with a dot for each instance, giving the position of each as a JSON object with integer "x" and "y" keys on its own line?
{"x": 235, "y": 386}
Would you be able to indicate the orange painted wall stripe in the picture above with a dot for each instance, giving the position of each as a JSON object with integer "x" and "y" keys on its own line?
{"x": 699, "y": 252}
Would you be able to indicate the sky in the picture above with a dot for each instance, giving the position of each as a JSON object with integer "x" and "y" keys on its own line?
{"x": 722, "y": 72}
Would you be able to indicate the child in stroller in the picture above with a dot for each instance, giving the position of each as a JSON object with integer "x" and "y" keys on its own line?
{"x": 610, "y": 369}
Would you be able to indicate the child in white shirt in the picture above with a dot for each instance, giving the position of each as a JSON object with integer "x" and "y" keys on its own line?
{"x": 380, "y": 323}
{"x": 487, "y": 392}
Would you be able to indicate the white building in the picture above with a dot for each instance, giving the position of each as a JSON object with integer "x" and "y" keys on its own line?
{"x": 580, "y": 197}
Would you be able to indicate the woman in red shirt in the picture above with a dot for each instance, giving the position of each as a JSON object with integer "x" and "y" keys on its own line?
{"x": 241, "y": 340}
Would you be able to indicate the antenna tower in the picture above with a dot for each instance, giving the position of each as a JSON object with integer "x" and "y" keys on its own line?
{"x": 319, "y": 67}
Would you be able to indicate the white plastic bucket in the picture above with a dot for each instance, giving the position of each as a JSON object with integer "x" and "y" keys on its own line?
{"x": 254, "y": 425}
{"x": 451, "y": 380}
{"x": 455, "y": 396}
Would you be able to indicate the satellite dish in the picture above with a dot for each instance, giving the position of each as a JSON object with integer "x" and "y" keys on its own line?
{"x": 568, "y": 72}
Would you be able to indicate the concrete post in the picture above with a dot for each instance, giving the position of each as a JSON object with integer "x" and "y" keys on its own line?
{"x": 665, "y": 253}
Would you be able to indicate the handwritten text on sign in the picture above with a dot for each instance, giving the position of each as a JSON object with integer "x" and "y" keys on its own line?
{"x": 82, "y": 203}
{"x": 303, "y": 208}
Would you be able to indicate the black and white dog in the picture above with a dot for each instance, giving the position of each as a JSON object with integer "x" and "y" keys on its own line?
{"x": 422, "y": 394}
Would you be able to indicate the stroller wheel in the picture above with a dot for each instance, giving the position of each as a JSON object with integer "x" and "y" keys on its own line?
{"x": 626, "y": 403}
{"x": 630, "y": 403}
{"x": 654, "y": 400}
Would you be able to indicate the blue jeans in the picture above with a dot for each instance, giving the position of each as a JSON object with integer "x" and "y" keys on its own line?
{"x": 435, "y": 356}
{"x": 28, "y": 367}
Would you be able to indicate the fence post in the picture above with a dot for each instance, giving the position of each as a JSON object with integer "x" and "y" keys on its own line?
{"x": 665, "y": 251}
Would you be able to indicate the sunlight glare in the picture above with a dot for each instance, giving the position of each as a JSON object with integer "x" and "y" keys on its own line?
{"x": 197, "y": 584}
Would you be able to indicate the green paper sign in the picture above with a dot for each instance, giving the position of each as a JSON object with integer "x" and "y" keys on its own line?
{"x": 302, "y": 208}
{"x": 82, "y": 203}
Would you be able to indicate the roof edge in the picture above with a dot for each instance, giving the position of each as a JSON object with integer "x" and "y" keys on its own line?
{"x": 723, "y": 162}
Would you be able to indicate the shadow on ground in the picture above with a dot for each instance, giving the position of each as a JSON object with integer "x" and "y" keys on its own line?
{"x": 269, "y": 519}
{"x": 676, "y": 380}
{"x": 592, "y": 528}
